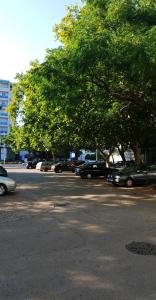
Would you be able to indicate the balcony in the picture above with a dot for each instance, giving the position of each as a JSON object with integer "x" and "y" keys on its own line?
{"x": 4, "y": 123}
{"x": 3, "y": 133}
{"x": 3, "y": 114}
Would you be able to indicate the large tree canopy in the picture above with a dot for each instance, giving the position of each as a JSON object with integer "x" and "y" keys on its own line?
{"x": 99, "y": 88}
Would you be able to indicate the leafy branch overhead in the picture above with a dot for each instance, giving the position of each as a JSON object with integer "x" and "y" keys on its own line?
{"x": 99, "y": 87}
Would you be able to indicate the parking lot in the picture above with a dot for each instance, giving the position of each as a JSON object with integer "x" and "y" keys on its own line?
{"x": 65, "y": 238}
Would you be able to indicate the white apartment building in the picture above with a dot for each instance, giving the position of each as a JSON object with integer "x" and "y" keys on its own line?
{"x": 5, "y": 98}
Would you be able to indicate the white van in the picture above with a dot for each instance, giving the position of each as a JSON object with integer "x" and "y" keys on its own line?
{"x": 44, "y": 166}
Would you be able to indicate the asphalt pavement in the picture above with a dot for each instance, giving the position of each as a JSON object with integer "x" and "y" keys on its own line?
{"x": 64, "y": 238}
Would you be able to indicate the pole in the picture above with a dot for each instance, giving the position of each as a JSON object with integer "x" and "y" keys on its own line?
{"x": 96, "y": 155}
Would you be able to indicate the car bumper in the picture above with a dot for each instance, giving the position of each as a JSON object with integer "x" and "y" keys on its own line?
{"x": 11, "y": 187}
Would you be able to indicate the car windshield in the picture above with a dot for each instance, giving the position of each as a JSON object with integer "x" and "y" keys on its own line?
{"x": 152, "y": 168}
{"x": 128, "y": 170}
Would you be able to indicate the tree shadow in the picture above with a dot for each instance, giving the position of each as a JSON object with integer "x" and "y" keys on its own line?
{"x": 64, "y": 238}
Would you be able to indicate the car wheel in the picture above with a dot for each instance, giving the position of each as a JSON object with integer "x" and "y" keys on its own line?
{"x": 83, "y": 176}
{"x": 59, "y": 170}
{"x": 129, "y": 182}
{"x": 45, "y": 170}
{"x": 3, "y": 189}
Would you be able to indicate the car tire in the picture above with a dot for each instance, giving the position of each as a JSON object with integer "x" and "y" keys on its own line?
{"x": 59, "y": 170}
{"x": 83, "y": 176}
{"x": 3, "y": 189}
{"x": 129, "y": 182}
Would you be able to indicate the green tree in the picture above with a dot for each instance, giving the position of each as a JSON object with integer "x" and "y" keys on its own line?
{"x": 110, "y": 50}
{"x": 99, "y": 87}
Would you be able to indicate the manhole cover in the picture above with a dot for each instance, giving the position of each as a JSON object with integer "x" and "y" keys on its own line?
{"x": 141, "y": 248}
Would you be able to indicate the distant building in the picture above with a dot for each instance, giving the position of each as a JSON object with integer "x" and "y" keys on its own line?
{"x": 5, "y": 98}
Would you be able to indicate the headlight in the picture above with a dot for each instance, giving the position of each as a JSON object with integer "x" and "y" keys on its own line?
{"x": 117, "y": 178}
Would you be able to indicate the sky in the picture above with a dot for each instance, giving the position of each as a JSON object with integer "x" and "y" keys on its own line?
{"x": 26, "y": 32}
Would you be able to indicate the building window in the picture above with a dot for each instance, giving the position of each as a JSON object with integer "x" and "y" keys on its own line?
{"x": 3, "y": 123}
{"x": 3, "y": 105}
{"x": 4, "y": 85}
{"x": 3, "y": 114}
{"x": 4, "y": 94}
{"x": 3, "y": 132}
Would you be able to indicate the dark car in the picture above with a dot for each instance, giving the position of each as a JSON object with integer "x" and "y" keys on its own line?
{"x": 122, "y": 164}
{"x": 76, "y": 163}
{"x": 3, "y": 172}
{"x": 31, "y": 164}
{"x": 94, "y": 169}
{"x": 62, "y": 166}
{"x": 133, "y": 176}
{"x": 110, "y": 177}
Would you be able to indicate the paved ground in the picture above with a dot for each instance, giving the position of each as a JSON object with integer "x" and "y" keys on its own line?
{"x": 63, "y": 238}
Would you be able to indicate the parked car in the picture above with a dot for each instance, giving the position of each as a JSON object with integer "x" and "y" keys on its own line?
{"x": 44, "y": 166}
{"x": 61, "y": 166}
{"x": 110, "y": 176}
{"x": 31, "y": 164}
{"x": 3, "y": 172}
{"x": 133, "y": 176}
{"x": 76, "y": 163}
{"x": 122, "y": 164}
{"x": 94, "y": 169}
{"x": 6, "y": 185}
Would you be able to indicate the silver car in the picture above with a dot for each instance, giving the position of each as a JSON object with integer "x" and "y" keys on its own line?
{"x": 44, "y": 166}
{"x": 6, "y": 185}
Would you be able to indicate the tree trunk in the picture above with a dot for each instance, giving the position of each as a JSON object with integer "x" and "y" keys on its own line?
{"x": 107, "y": 156}
{"x": 121, "y": 152}
{"x": 53, "y": 155}
{"x": 103, "y": 154}
{"x": 136, "y": 151}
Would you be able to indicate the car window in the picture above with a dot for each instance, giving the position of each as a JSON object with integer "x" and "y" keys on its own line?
{"x": 152, "y": 168}
{"x": 128, "y": 170}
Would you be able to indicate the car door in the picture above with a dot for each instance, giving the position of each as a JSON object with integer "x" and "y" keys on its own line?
{"x": 151, "y": 173}
{"x": 93, "y": 169}
{"x": 140, "y": 176}
{"x": 102, "y": 169}
{"x": 97, "y": 169}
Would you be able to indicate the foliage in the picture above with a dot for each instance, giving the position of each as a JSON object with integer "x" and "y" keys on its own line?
{"x": 100, "y": 86}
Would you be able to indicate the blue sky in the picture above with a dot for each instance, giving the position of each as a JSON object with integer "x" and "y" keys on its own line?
{"x": 26, "y": 32}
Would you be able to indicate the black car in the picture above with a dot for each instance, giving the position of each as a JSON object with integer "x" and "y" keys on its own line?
{"x": 133, "y": 176}
{"x": 76, "y": 163}
{"x": 94, "y": 169}
{"x": 31, "y": 164}
{"x": 3, "y": 172}
{"x": 62, "y": 166}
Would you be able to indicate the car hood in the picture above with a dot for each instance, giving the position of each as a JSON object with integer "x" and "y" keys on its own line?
{"x": 6, "y": 180}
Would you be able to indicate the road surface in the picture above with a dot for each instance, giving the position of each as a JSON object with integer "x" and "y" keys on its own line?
{"x": 63, "y": 238}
